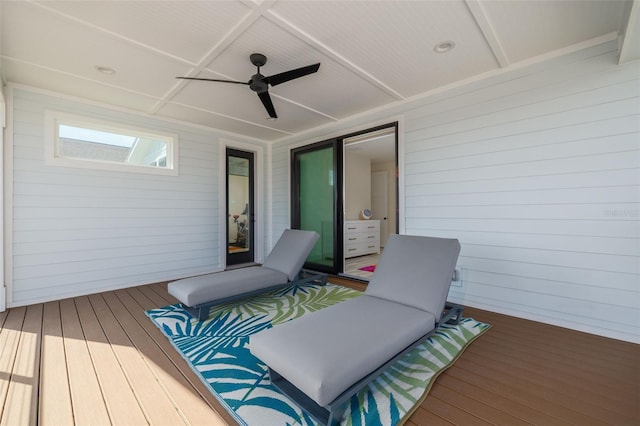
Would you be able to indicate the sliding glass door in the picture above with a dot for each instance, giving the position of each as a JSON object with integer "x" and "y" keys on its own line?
{"x": 317, "y": 201}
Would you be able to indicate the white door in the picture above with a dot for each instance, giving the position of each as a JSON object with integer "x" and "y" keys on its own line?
{"x": 379, "y": 203}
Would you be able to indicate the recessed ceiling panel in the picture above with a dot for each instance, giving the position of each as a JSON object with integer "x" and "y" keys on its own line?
{"x": 70, "y": 85}
{"x": 394, "y": 41}
{"x": 33, "y": 35}
{"x": 324, "y": 91}
{"x": 186, "y": 29}
{"x": 530, "y": 28}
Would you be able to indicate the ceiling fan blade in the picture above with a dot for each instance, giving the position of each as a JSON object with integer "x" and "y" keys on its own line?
{"x": 266, "y": 101}
{"x": 283, "y": 77}
{"x": 214, "y": 79}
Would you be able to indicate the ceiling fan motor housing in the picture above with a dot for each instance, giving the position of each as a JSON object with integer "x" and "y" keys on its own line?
{"x": 257, "y": 83}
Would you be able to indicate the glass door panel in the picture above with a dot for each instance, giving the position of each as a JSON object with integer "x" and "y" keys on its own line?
{"x": 240, "y": 218}
{"x": 314, "y": 202}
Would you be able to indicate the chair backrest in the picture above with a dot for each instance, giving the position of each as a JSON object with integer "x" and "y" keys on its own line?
{"x": 291, "y": 251}
{"x": 415, "y": 271}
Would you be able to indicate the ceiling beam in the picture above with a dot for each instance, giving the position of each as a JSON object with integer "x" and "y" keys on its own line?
{"x": 252, "y": 123}
{"x": 630, "y": 38}
{"x": 308, "y": 108}
{"x": 487, "y": 30}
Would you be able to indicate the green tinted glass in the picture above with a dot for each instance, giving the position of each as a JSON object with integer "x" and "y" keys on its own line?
{"x": 317, "y": 179}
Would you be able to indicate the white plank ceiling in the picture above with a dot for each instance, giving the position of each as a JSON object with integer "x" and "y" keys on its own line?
{"x": 372, "y": 53}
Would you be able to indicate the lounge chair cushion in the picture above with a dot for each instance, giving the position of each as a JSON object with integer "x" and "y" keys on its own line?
{"x": 323, "y": 353}
{"x": 282, "y": 265}
{"x": 204, "y": 288}
{"x": 415, "y": 271}
{"x": 291, "y": 251}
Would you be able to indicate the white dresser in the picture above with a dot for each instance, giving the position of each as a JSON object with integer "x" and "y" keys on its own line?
{"x": 361, "y": 237}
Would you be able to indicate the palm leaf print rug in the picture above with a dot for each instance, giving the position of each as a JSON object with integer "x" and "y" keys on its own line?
{"x": 218, "y": 351}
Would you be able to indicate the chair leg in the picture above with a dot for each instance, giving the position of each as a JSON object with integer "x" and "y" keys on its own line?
{"x": 203, "y": 312}
{"x": 335, "y": 416}
{"x": 452, "y": 314}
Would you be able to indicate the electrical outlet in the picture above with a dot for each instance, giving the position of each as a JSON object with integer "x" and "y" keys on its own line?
{"x": 456, "y": 281}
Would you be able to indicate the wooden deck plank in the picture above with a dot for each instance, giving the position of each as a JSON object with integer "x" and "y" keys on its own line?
{"x": 512, "y": 389}
{"x": 86, "y": 396}
{"x": 590, "y": 402}
{"x": 155, "y": 403}
{"x": 161, "y": 290}
{"x": 21, "y": 405}
{"x": 452, "y": 413}
{"x": 479, "y": 409}
{"x": 500, "y": 401}
{"x": 423, "y": 417}
{"x": 574, "y": 362}
{"x": 523, "y": 391}
{"x": 143, "y": 296}
{"x": 154, "y": 297}
{"x": 609, "y": 363}
{"x": 3, "y": 317}
{"x": 598, "y": 348}
{"x": 539, "y": 358}
{"x": 196, "y": 411}
{"x": 120, "y": 400}
{"x": 9, "y": 341}
{"x": 601, "y": 391}
{"x": 54, "y": 406}
{"x": 191, "y": 392}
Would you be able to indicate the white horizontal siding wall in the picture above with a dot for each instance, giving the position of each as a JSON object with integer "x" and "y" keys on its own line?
{"x": 79, "y": 231}
{"x": 539, "y": 178}
{"x": 537, "y": 172}
{"x": 281, "y": 189}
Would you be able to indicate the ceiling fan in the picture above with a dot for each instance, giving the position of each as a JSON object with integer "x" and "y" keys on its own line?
{"x": 260, "y": 84}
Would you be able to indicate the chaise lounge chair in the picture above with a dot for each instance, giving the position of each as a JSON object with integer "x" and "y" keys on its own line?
{"x": 282, "y": 267}
{"x": 322, "y": 359}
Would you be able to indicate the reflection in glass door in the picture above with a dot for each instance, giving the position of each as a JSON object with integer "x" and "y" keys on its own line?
{"x": 240, "y": 207}
{"x": 315, "y": 197}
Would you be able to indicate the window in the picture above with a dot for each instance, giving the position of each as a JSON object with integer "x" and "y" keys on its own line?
{"x": 75, "y": 141}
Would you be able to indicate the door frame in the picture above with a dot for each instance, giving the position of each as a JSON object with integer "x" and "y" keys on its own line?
{"x": 393, "y": 122}
{"x": 259, "y": 190}
{"x": 399, "y": 155}
{"x": 243, "y": 257}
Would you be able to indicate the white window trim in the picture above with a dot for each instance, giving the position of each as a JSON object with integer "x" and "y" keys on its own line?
{"x": 54, "y": 118}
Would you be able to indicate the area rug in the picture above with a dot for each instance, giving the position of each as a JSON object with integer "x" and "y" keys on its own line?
{"x": 369, "y": 268}
{"x": 218, "y": 351}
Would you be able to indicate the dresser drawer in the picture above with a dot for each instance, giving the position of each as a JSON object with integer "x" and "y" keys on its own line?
{"x": 356, "y": 226}
{"x": 359, "y": 249}
{"x": 362, "y": 237}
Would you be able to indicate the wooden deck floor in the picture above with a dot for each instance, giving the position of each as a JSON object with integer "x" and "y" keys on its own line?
{"x": 99, "y": 360}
